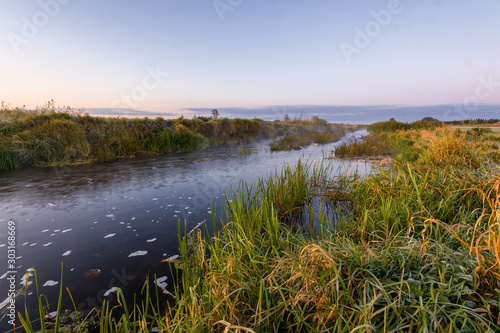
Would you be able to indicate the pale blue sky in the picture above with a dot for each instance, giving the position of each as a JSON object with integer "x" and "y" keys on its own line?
{"x": 248, "y": 53}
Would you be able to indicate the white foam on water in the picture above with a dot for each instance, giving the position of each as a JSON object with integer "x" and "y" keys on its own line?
{"x": 3, "y": 277}
{"x": 122, "y": 222}
{"x": 110, "y": 215}
{"x": 50, "y": 283}
{"x": 45, "y": 230}
{"x": 4, "y": 303}
{"x": 33, "y": 244}
{"x": 112, "y": 290}
{"x": 71, "y": 270}
{"x": 2, "y": 245}
{"x": 138, "y": 253}
{"x": 209, "y": 212}
{"x": 129, "y": 227}
{"x": 23, "y": 280}
{"x": 161, "y": 282}
{"x": 109, "y": 236}
{"x": 57, "y": 230}
{"x": 67, "y": 253}
{"x": 67, "y": 230}
{"x": 51, "y": 204}
{"x": 174, "y": 257}
{"x": 177, "y": 211}
{"x": 25, "y": 243}
{"x": 156, "y": 199}
{"x": 52, "y": 235}
{"x": 49, "y": 243}
{"x": 151, "y": 240}
{"x": 133, "y": 218}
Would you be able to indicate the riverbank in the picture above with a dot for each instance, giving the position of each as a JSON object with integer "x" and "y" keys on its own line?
{"x": 412, "y": 247}
{"x": 419, "y": 251}
{"x": 51, "y": 136}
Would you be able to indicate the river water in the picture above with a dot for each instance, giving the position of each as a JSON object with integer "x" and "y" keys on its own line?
{"x": 112, "y": 224}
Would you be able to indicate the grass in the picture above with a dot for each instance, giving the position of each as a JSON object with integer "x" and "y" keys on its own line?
{"x": 315, "y": 130}
{"x": 416, "y": 250}
{"x": 56, "y": 136}
{"x": 420, "y": 251}
{"x": 299, "y": 141}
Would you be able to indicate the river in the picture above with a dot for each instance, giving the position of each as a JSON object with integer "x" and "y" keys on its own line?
{"x": 112, "y": 224}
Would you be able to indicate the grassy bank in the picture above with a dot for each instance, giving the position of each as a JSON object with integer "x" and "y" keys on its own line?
{"x": 417, "y": 249}
{"x": 419, "y": 253}
{"x": 53, "y": 136}
{"x": 311, "y": 131}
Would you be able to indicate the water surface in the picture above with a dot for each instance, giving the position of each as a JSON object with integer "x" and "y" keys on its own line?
{"x": 112, "y": 224}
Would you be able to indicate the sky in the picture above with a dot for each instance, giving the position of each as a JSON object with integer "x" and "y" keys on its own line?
{"x": 172, "y": 57}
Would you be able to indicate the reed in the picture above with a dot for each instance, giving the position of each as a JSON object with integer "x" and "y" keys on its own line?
{"x": 418, "y": 253}
{"x": 50, "y": 135}
{"x": 417, "y": 249}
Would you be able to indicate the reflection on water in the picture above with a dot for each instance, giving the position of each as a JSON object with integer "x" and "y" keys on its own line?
{"x": 112, "y": 224}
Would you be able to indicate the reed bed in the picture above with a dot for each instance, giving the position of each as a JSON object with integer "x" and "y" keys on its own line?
{"x": 298, "y": 141}
{"x": 419, "y": 253}
{"x": 50, "y": 135}
{"x": 418, "y": 250}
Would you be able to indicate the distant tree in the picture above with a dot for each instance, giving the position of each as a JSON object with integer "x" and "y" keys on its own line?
{"x": 429, "y": 119}
{"x": 215, "y": 113}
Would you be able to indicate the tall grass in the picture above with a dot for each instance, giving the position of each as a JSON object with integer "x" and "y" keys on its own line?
{"x": 418, "y": 251}
{"x": 50, "y": 135}
{"x": 298, "y": 141}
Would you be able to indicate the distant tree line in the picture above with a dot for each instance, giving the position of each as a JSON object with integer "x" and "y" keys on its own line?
{"x": 474, "y": 121}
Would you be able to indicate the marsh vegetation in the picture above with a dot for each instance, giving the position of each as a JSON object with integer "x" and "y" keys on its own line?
{"x": 50, "y": 135}
{"x": 417, "y": 250}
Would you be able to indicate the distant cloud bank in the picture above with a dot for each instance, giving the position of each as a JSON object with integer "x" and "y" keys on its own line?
{"x": 332, "y": 113}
